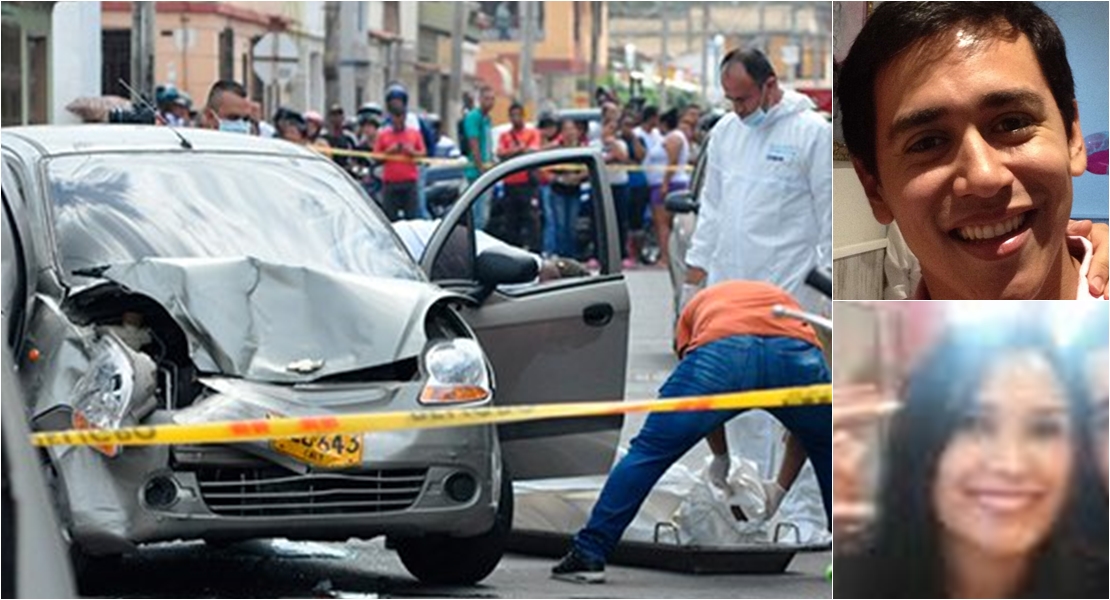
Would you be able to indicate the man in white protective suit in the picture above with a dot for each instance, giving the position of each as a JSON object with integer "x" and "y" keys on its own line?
{"x": 765, "y": 210}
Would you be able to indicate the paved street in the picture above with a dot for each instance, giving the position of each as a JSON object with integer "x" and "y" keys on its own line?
{"x": 360, "y": 568}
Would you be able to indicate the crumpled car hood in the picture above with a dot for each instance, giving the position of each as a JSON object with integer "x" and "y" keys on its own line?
{"x": 249, "y": 318}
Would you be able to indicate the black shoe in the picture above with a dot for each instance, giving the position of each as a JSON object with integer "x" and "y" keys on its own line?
{"x": 579, "y": 569}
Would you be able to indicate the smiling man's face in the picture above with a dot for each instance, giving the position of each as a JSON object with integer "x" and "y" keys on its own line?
{"x": 975, "y": 165}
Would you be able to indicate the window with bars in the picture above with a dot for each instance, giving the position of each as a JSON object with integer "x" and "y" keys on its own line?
{"x": 115, "y": 51}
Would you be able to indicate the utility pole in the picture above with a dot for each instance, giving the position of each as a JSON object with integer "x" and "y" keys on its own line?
{"x": 528, "y": 41}
{"x": 689, "y": 26}
{"x": 595, "y": 41}
{"x": 705, "y": 51}
{"x": 454, "y": 103}
{"x": 142, "y": 49}
{"x": 331, "y": 53}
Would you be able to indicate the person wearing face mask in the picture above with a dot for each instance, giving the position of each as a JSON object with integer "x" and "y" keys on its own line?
{"x": 766, "y": 206}
{"x": 227, "y": 108}
{"x": 765, "y": 209}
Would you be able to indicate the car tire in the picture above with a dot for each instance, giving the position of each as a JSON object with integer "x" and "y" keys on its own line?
{"x": 448, "y": 560}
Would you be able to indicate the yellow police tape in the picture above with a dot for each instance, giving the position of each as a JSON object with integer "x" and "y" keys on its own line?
{"x": 378, "y": 156}
{"x": 222, "y": 432}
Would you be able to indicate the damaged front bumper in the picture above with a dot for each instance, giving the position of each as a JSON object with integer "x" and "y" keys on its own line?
{"x": 408, "y": 483}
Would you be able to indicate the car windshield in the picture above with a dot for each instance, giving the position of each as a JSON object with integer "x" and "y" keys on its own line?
{"x": 117, "y": 208}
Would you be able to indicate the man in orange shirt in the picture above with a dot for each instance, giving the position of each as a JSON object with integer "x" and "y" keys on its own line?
{"x": 729, "y": 341}
{"x": 512, "y": 217}
{"x": 399, "y": 175}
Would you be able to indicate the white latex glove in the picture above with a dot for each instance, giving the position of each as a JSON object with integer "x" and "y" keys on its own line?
{"x": 688, "y": 292}
{"x": 718, "y": 472}
{"x": 775, "y": 494}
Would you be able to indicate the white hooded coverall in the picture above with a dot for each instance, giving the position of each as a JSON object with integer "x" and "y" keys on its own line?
{"x": 766, "y": 206}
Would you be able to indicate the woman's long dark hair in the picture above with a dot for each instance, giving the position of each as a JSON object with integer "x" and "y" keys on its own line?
{"x": 1089, "y": 524}
{"x": 904, "y": 556}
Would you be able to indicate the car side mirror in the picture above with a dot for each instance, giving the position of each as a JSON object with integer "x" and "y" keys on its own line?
{"x": 503, "y": 266}
{"x": 681, "y": 201}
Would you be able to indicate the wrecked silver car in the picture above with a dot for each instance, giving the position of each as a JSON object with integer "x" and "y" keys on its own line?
{"x": 154, "y": 276}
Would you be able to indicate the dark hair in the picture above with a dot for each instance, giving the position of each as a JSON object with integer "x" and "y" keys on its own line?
{"x": 546, "y": 120}
{"x": 516, "y": 105}
{"x": 290, "y": 116}
{"x": 755, "y": 63}
{"x": 905, "y": 553}
{"x": 670, "y": 118}
{"x": 224, "y": 86}
{"x": 1092, "y": 516}
{"x": 895, "y": 27}
{"x": 650, "y": 112}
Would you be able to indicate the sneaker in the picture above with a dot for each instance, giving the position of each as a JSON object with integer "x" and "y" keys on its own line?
{"x": 628, "y": 264}
{"x": 578, "y": 569}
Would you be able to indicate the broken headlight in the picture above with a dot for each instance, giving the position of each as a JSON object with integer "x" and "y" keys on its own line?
{"x": 456, "y": 373}
{"x": 119, "y": 385}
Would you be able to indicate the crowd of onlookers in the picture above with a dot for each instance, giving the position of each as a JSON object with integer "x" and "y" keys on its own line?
{"x": 648, "y": 154}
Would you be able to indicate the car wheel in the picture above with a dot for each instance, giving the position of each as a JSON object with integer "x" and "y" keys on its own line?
{"x": 447, "y": 560}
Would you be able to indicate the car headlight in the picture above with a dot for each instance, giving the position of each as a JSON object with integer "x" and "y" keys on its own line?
{"x": 117, "y": 383}
{"x": 456, "y": 373}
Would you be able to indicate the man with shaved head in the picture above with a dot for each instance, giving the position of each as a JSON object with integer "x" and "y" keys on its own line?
{"x": 227, "y": 108}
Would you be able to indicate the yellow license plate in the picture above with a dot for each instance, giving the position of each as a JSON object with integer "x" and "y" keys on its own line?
{"x": 332, "y": 451}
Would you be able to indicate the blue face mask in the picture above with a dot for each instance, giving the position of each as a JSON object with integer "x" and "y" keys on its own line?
{"x": 757, "y": 116}
{"x": 755, "y": 119}
{"x": 235, "y": 126}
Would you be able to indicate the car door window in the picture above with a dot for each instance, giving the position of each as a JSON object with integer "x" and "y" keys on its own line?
{"x": 14, "y": 274}
{"x": 554, "y": 212}
{"x": 17, "y": 275}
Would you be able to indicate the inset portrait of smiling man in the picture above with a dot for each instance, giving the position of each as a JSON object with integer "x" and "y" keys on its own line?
{"x": 963, "y": 128}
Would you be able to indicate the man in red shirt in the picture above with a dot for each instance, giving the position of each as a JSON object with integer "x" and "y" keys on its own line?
{"x": 513, "y": 218}
{"x": 399, "y": 175}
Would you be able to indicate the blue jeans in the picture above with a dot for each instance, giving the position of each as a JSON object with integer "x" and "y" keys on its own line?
{"x": 480, "y": 207}
{"x": 421, "y": 191}
{"x": 733, "y": 364}
{"x": 549, "y": 242}
{"x": 565, "y": 207}
{"x": 621, "y": 199}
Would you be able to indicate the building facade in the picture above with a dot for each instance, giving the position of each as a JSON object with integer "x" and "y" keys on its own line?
{"x": 561, "y": 55}
{"x": 795, "y": 35}
{"x": 47, "y": 50}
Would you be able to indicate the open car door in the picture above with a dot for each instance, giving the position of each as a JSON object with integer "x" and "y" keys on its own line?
{"x": 562, "y": 337}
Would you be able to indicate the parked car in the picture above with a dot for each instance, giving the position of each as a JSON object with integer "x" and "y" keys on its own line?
{"x": 163, "y": 276}
{"x": 684, "y": 206}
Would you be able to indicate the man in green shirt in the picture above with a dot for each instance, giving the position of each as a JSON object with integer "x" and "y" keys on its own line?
{"x": 476, "y": 126}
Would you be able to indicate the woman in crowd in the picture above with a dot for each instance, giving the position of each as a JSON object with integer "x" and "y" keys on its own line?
{"x": 549, "y": 138}
{"x": 667, "y": 171}
{"x": 616, "y": 154}
{"x": 566, "y": 194}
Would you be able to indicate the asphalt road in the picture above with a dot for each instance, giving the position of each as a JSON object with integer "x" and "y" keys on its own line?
{"x": 279, "y": 568}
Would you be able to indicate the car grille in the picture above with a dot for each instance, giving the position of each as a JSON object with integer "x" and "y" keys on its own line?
{"x": 271, "y": 492}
